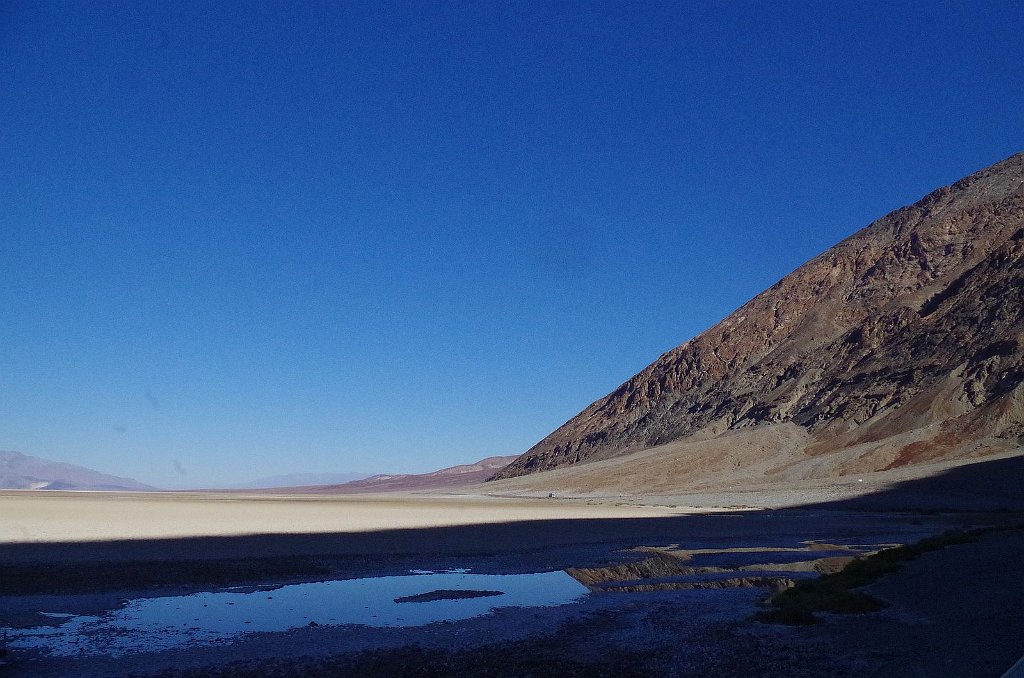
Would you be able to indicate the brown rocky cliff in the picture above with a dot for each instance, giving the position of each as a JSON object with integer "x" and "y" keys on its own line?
{"x": 915, "y": 322}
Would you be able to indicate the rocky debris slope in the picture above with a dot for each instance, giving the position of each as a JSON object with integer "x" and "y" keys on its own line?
{"x": 903, "y": 344}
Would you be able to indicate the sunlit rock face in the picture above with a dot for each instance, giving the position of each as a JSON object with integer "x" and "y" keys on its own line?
{"x": 901, "y": 345}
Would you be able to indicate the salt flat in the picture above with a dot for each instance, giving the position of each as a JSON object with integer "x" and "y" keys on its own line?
{"x": 47, "y": 516}
{"x": 88, "y": 553}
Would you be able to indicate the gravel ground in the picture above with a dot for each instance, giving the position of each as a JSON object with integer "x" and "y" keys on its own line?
{"x": 954, "y": 612}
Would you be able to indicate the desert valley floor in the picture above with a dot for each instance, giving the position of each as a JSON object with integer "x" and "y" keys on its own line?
{"x": 486, "y": 585}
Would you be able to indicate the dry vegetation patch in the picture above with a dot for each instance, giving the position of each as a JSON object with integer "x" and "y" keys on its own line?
{"x": 837, "y": 592}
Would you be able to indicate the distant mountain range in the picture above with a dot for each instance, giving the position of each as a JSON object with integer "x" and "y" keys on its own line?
{"x": 304, "y": 479}
{"x": 22, "y": 472}
{"x": 902, "y": 345}
{"x": 454, "y": 476}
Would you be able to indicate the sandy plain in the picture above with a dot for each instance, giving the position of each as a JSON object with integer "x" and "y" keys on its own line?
{"x": 88, "y": 553}
{"x": 607, "y": 489}
{"x": 44, "y": 516}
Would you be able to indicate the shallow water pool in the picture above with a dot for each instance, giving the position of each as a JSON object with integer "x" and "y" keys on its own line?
{"x": 149, "y": 624}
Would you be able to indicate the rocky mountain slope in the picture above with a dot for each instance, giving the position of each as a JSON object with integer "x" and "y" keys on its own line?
{"x": 901, "y": 345}
{"x": 22, "y": 472}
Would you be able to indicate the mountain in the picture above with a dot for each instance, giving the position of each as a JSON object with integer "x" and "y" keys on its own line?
{"x": 902, "y": 345}
{"x": 22, "y": 472}
{"x": 454, "y": 476}
{"x": 304, "y": 479}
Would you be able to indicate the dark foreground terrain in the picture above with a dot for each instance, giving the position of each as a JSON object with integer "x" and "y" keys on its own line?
{"x": 668, "y": 596}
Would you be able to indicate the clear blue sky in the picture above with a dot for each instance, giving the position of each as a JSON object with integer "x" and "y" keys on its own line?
{"x": 240, "y": 240}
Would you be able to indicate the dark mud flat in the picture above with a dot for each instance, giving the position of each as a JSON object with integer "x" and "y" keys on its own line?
{"x": 637, "y": 632}
{"x": 446, "y": 594}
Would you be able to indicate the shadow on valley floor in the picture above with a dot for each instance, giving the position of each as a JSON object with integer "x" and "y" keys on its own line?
{"x": 522, "y": 547}
{"x": 527, "y": 537}
{"x": 994, "y": 486}
{"x": 656, "y": 632}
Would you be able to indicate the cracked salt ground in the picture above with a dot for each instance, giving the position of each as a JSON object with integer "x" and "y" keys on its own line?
{"x": 151, "y": 624}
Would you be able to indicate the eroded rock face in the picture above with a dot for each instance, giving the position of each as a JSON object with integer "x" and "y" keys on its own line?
{"x": 913, "y": 323}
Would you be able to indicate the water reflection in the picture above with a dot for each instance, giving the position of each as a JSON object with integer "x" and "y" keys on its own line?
{"x": 148, "y": 624}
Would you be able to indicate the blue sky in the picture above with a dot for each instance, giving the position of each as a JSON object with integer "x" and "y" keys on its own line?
{"x": 240, "y": 240}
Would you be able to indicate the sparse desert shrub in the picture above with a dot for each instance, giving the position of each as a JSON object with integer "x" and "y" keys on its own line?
{"x": 835, "y": 592}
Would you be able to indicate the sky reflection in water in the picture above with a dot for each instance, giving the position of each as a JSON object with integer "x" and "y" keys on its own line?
{"x": 147, "y": 624}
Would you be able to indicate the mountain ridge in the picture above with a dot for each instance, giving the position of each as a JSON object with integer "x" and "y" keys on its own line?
{"x": 303, "y": 479}
{"x": 24, "y": 472}
{"x": 912, "y": 322}
{"x": 449, "y": 477}
{"x": 452, "y": 476}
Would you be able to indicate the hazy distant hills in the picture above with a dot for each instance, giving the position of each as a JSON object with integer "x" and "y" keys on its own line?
{"x": 302, "y": 479}
{"x": 901, "y": 345}
{"x": 454, "y": 476}
{"x": 22, "y": 472}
